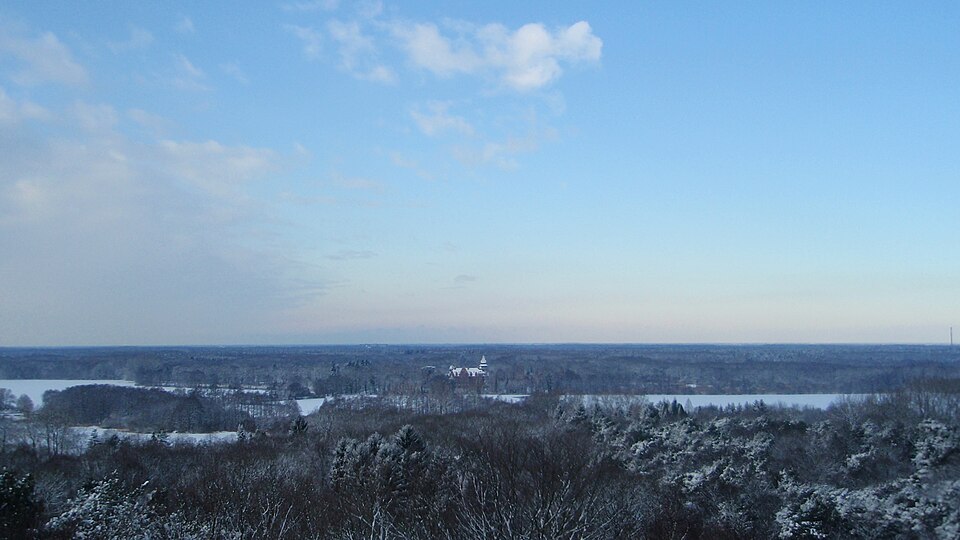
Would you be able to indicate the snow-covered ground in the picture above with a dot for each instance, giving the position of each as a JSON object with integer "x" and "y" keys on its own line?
{"x": 36, "y": 387}
{"x": 206, "y": 391}
{"x": 819, "y": 401}
{"x": 311, "y": 405}
{"x": 84, "y": 434}
{"x": 509, "y": 398}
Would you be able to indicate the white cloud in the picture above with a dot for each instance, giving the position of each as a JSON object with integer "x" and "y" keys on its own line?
{"x": 379, "y": 74}
{"x": 358, "y": 55}
{"x": 405, "y": 162}
{"x": 233, "y": 70}
{"x": 214, "y": 168}
{"x": 45, "y": 59}
{"x": 369, "y": 9}
{"x": 426, "y": 48}
{"x": 188, "y": 76}
{"x": 301, "y": 150}
{"x": 185, "y": 25}
{"x": 310, "y": 39}
{"x": 502, "y": 153}
{"x": 188, "y": 68}
{"x": 528, "y": 58}
{"x": 108, "y": 240}
{"x": 437, "y": 120}
{"x": 12, "y": 111}
{"x": 139, "y": 38}
{"x": 95, "y": 119}
{"x": 353, "y": 44}
{"x": 153, "y": 123}
{"x": 9, "y": 110}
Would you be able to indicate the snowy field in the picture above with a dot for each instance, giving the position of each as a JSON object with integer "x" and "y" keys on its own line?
{"x": 818, "y": 401}
{"x": 508, "y": 398}
{"x": 36, "y": 387}
{"x": 85, "y": 433}
{"x": 311, "y": 405}
{"x": 206, "y": 391}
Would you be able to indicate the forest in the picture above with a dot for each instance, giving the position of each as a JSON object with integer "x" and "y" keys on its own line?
{"x": 440, "y": 461}
{"x": 883, "y": 467}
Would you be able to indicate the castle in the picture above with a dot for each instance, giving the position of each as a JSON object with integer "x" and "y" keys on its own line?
{"x": 469, "y": 372}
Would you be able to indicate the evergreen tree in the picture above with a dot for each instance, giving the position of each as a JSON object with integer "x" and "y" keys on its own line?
{"x": 19, "y": 509}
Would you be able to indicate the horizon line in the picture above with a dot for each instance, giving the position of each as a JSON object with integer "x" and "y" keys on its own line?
{"x": 492, "y": 344}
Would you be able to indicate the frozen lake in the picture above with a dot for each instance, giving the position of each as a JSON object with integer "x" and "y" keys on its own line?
{"x": 690, "y": 401}
{"x": 818, "y": 401}
{"x": 36, "y": 387}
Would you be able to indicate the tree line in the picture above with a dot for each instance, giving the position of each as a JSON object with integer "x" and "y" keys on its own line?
{"x": 516, "y": 369}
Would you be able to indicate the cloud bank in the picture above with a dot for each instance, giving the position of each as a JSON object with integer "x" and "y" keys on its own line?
{"x": 111, "y": 240}
{"x": 528, "y": 58}
{"x": 525, "y": 59}
{"x": 43, "y": 59}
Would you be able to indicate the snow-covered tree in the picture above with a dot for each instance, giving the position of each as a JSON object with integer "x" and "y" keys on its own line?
{"x": 19, "y": 508}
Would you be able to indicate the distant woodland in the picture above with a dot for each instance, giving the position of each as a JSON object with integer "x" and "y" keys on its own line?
{"x": 519, "y": 369}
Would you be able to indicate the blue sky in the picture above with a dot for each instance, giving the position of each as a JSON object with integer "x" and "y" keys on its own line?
{"x": 337, "y": 172}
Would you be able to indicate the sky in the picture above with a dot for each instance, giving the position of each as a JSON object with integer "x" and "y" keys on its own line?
{"x": 315, "y": 171}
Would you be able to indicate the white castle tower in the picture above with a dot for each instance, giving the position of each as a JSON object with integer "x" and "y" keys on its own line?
{"x": 483, "y": 364}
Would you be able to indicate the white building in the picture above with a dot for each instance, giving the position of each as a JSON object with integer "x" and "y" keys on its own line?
{"x": 480, "y": 371}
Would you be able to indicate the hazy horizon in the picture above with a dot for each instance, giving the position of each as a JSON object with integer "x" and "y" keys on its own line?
{"x": 324, "y": 172}
{"x": 465, "y": 344}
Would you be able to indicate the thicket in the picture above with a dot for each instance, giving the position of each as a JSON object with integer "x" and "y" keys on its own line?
{"x": 139, "y": 409}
